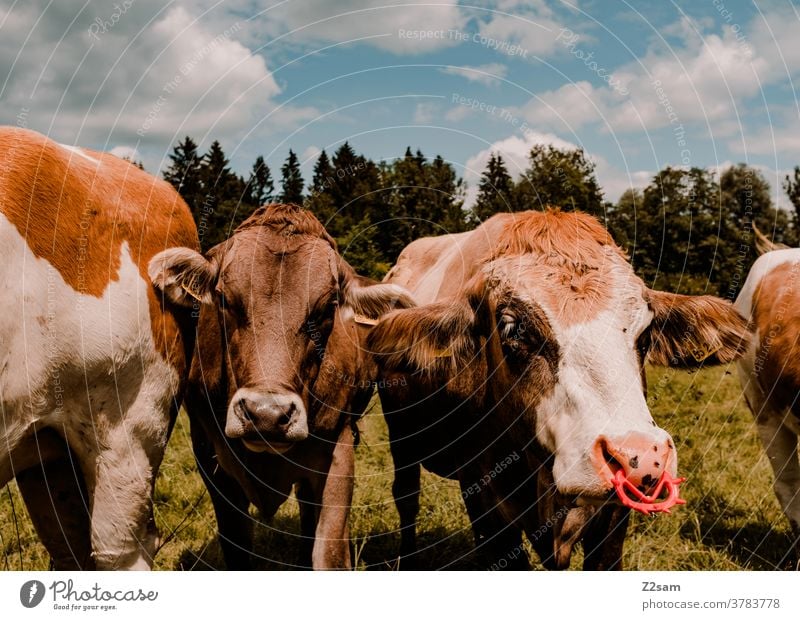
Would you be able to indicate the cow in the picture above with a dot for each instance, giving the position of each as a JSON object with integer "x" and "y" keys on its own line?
{"x": 769, "y": 372}
{"x": 523, "y": 379}
{"x": 279, "y": 376}
{"x": 94, "y": 362}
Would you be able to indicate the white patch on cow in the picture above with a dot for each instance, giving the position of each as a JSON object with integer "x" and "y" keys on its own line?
{"x": 599, "y": 391}
{"x": 763, "y": 266}
{"x": 87, "y": 367}
{"x": 80, "y": 153}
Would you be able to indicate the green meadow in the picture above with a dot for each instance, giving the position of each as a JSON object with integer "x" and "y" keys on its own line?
{"x": 731, "y": 520}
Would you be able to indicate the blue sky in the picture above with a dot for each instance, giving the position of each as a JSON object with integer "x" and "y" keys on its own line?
{"x": 638, "y": 85}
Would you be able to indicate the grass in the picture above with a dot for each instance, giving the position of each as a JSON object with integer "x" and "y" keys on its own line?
{"x": 731, "y": 522}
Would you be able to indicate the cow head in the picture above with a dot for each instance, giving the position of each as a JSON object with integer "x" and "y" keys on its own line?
{"x": 550, "y": 335}
{"x": 287, "y": 307}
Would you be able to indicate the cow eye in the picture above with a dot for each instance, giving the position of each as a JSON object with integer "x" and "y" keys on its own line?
{"x": 507, "y": 324}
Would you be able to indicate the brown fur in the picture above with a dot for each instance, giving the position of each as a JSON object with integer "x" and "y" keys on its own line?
{"x": 572, "y": 237}
{"x": 774, "y": 314}
{"x": 279, "y": 330}
{"x": 562, "y": 269}
{"x": 76, "y": 215}
{"x": 287, "y": 220}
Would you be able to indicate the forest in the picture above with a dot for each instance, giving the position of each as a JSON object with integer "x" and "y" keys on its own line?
{"x": 688, "y": 231}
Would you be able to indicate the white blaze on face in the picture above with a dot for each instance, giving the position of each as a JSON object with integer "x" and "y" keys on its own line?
{"x": 599, "y": 392}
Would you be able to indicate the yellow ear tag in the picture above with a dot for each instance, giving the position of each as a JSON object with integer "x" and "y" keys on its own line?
{"x": 703, "y": 354}
{"x": 191, "y": 293}
{"x": 442, "y": 353}
{"x": 362, "y": 319}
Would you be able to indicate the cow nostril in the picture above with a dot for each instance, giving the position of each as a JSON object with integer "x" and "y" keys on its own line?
{"x": 613, "y": 464}
{"x": 286, "y": 416}
{"x": 244, "y": 412}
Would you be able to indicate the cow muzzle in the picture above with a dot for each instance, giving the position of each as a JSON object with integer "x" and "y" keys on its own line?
{"x": 641, "y": 470}
{"x": 266, "y": 421}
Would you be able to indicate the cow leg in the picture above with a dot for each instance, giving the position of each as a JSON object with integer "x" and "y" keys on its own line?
{"x": 332, "y": 536}
{"x": 780, "y": 444}
{"x": 119, "y": 481}
{"x": 565, "y": 528}
{"x": 57, "y": 502}
{"x": 234, "y": 524}
{"x": 120, "y": 464}
{"x": 604, "y": 537}
{"x": 405, "y": 490}
{"x": 498, "y": 543}
{"x": 309, "y": 516}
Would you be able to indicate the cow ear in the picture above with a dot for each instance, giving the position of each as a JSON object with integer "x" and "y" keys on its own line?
{"x": 367, "y": 299}
{"x": 183, "y": 275}
{"x": 688, "y": 331}
{"x": 430, "y": 338}
{"x": 370, "y": 300}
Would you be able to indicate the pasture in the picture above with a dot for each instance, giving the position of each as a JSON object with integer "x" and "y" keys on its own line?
{"x": 731, "y": 522}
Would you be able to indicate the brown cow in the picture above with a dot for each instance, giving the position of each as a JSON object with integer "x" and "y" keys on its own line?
{"x": 524, "y": 380}
{"x": 93, "y": 363}
{"x": 770, "y": 371}
{"x": 279, "y": 376}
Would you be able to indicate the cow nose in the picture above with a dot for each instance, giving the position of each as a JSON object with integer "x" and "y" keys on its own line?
{"x": 266, "y": 413}
{"x": 272, "y": 415}
{"x": 642, "y": 458}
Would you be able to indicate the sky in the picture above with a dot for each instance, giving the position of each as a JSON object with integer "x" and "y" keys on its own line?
{"x": 638, "y": 85}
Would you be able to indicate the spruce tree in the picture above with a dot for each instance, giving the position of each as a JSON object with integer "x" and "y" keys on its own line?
{"x": 184, "y": 173}
{"x": 445, "y": 198}
{"x": 221, "y": 210}
{"x": 319, "y": 200}
{"x": 260, "y": 186}
{"x": 291, "y": 180}
{"x": 495, "y": 191}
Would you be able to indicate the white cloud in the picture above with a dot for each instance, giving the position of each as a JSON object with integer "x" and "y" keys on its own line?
{"x": 424, "y": 113}
{"x": 309, "y": 154}
{"x": 614, "y": 182}
{"x": 152, "y": 76}
{"x": 458, "y": 113}
{"x": 385, "y": 25}
{"x": 126, "y": 152}
{"x": 531, "y": 25}
{"x": 483, "y": 74}
{"x": 783, "y": 136}
{"x": 705, "y": 80}
{"x": 571, "y": 106}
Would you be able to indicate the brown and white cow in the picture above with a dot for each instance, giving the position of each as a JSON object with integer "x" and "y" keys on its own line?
{"x": 93, "y": 364}
{"x": 279, "y": 376}
{"x": 770, "y": 370}
{"x": 524, "y": 379}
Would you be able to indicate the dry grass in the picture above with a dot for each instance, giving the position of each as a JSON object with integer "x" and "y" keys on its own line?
{"x": 732, "y": 520}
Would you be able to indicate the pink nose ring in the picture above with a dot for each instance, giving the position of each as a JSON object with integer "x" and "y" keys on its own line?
{"x": 648, "y": 504}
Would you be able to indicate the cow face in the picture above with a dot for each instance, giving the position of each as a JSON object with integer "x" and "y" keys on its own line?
{"x": 280, "y": 300}
{"x": 555, "y": 350}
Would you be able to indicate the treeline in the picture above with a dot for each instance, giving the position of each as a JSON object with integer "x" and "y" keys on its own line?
{"x": 687, "y": 231}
